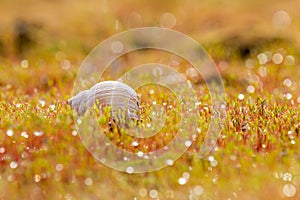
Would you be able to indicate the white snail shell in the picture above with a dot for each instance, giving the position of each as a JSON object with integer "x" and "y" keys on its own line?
{"x": 115, "y": 94}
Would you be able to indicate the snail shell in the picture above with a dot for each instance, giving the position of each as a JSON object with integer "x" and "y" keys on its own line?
{"x": 115, "y": 94}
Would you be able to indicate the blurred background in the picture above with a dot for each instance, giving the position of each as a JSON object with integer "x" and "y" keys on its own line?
{"x": 62, "y": 32}
{"x": 255, "y": 45}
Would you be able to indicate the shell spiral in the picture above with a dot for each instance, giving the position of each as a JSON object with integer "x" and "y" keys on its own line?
{"x": 115, "y": 94}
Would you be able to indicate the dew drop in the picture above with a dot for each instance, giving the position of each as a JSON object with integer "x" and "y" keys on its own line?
{"x": 38, "y": 133}
{"x": 250, "y": 89}
{"x": 143, "y": 192}
{"x": 9, "y": 132}
{"x": 241, "y": 97}
{"x": 181, "y": 181}
{"x": 24, "y": 64}
{"x": 198, "y": 190}
{"x": 214, "y": 163}
{"x": 130, "y": 170}
{"x": 140, "y": 154}
{"x": 289, "y": 60}
{"x": 117, "y": 46}
{"x": 10, "y": 178}
{"x": 88, "y": 181}
{"x": 167, "y": 20}
{"x": 262, "y": 58}
{"x": 135, "y": 143}
{"x": 13, "y": 164}
{"x": 287, "y": 82}
{"x": 157, "y": 72}
{"x": 262, "y": 70}
{"x": 24, "y": 134}
{"x": 59, "y": 167}
{"x": 287, "y": 177}
{"x": 52, "y": 107}
{"x": 66, "y": 65}
{"x": 151, "y": 91}
{"x": 188, "y": 143}
{"x": 37, "y": 178}
{"x": 169, "y": 162}
{"x": 277, "y": 58}
{"x": 2, "y": 150}
{"x": 293, "y": 142}
{"x": 186, "y": 175}
{"x": 153, "y": 194}
{"x": 211, "y": 158}
{"x": 281, "y": 19}
{"x": 289, "y": 96}
{"x": 42, "y": 102}
{"x": 289, "y": 190}
{"x": 74, "y": 133}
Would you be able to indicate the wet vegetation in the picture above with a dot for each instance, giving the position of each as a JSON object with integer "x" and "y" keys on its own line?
{"x": 256, "y": 48}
